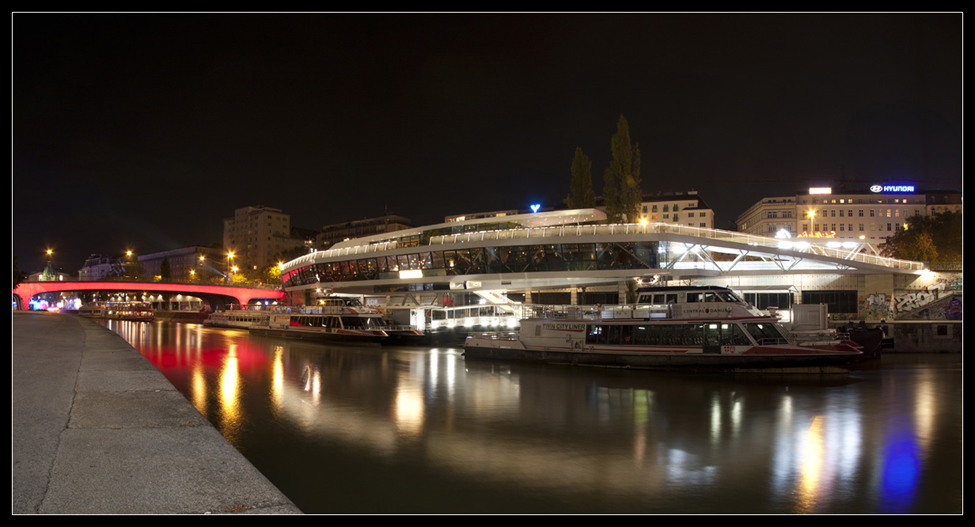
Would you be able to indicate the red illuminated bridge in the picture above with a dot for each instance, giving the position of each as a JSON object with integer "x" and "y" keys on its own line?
{"x": 215, "y": 295}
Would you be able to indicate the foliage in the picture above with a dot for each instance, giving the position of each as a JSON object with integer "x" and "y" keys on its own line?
{"x": 272, "y": 273}
{"x": 581, "y": 194}
{"x": 127, "y": 269}
{"x": 18, "y": 275}
{"x": 164, "y": 271}
{"x": 622, "y": 192}
{"x": 935, "y": 238}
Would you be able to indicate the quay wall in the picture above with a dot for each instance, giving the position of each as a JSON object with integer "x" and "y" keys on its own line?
{"x": 97, "y": 429}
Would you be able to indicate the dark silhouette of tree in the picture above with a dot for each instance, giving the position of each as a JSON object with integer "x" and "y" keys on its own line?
{"x": 622, "y": 192}
{"x": 581, "y": 194}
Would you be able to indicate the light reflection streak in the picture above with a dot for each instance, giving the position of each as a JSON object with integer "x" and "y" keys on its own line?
{"x": 199, "y": 388}
{"x": 408, "y": 410}
{"x": 277, "y": 377}
{"x": 229, "y": 391}
{"x": 811, "y": 465}
{"x": 715, "y": 419}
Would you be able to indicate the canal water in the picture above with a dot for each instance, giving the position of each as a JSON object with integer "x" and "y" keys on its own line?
{"x": 418, "y": 430}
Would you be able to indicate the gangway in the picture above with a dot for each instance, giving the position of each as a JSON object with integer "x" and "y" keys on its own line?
{"x": 499, "y": 299}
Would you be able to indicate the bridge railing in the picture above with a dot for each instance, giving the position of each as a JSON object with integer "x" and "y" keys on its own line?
{"x": 845, "y": 251}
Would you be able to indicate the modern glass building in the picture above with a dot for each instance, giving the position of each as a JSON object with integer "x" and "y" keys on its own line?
{"x": 562, "y": 249}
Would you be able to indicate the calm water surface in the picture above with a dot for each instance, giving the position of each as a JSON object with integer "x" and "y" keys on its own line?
{"x": 344, "y": 429}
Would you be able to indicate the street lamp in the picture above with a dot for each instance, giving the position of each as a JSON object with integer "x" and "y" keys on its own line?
{"x": 230, "y": 266}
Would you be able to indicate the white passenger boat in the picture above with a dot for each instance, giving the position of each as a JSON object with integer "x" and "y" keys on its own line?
{"x": 697, "y": 328}
{"x": 134, "y": 311}
{"x": 237, "y": 318}
{"x": 93, "y": 311}
{"x": 336, "y": 320}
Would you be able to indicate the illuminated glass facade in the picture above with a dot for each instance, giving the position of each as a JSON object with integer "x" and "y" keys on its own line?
{"x": 610, "y": 256}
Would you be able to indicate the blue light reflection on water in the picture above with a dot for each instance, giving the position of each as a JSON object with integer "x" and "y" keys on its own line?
{"x": 420, "y": 430}
{"x": 900, "y": 473}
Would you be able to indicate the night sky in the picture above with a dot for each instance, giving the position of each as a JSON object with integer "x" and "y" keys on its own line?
{"x": 145, "y": 131}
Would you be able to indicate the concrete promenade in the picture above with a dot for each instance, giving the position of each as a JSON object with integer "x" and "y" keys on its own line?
{"x": 96, "y": 429}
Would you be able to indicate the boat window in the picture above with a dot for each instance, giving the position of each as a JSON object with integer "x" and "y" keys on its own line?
{"x": 595, "y": 335}
{"x": 626, "y": 334}
{"x": 728, "y": 296}
{"x": 724, "y": 334}
{"x": 765, "y": 333}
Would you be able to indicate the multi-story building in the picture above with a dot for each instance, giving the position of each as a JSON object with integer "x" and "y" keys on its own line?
{"x": 96, "y": 267}
{"x": 202, "y": 262}
{"x": 335, "y": 233}
{"x": 479, "y": 215}
{"x": 681, "y": 208}
{"x": 770, "y": 217}
{"x": 865, "y": 216}
{"x": 254, "y": 235}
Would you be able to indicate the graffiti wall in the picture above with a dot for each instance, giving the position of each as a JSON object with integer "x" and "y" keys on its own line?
{"x": 935, "y": 297}
{"x": 940, "y": 300}
{"x": 877, "y": 306}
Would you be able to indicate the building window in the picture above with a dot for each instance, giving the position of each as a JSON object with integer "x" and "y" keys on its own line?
{"x": 836, "y": 301}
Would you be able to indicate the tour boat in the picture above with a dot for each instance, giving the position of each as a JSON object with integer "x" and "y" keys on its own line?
{"x": 134, "y": 311}
{"x": 237, "y": 318}
{"x": 92, "y": 311}
{"x": 335, "y": 320}
{"x": 697, "y": 328}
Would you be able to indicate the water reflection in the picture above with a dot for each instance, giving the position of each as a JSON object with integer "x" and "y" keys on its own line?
{"x": 422, "y": 430}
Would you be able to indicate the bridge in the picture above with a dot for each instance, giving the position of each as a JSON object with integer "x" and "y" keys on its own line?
{"x": 215, "y": 295}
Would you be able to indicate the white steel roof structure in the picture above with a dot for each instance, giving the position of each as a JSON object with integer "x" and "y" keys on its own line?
{"x": 569, "y": 248}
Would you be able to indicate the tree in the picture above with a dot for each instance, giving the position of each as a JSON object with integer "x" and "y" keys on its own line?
{"x": 164, "y": 270}
{"x": 581, "y": 194}
{"x": 18, "y": 276}
{"x": 622, "y": 192}
{"x": 910, "y": 244}
{"x": 271, "y": 274}
{"x": 935, "y": 238}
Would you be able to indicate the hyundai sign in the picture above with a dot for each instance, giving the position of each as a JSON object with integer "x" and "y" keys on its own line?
{"x": 892, "y": 188}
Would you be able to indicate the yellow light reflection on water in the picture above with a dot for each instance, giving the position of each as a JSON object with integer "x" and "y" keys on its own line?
{"x": 277, "y": 378}
{"x": 811, "y": 465}
{"x": 229, "y": 391}
{"x": 408, "y": 410}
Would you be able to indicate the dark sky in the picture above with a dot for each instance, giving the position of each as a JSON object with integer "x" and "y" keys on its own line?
{"x": 145, "y": 131}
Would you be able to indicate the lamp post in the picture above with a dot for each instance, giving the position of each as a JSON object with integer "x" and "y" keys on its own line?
{"x": 230, "y": 266}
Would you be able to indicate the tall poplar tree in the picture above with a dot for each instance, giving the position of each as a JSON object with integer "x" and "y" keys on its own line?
{"x": 581, "y": 194}
{"x": 622, "y": 192}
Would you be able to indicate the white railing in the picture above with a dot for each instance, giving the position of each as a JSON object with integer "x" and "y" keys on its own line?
{"x": 565, "y": 231}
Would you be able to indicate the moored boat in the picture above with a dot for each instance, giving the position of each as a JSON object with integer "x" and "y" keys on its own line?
{"x": 93, "y": 311}
{"x": 699, "y": 328}
{"x": 336, "y": 320}
{"x": 133, "y": 311}
{"x": 237, "y": 318}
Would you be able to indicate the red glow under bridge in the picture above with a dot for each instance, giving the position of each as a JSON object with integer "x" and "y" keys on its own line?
{"x": 212, "y": 293}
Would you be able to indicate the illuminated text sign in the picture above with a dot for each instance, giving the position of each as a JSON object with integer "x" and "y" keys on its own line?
{"x": 892, "y": 188}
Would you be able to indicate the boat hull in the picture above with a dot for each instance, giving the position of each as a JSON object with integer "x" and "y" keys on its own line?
{"x": 320, "y": 336}
{"x": 766, "y": 362}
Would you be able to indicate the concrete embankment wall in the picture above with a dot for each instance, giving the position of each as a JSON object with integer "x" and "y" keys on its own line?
{"x": 98, "y": 430}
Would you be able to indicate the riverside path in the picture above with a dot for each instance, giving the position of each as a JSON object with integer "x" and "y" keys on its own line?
{"x": 96, "y": 429}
